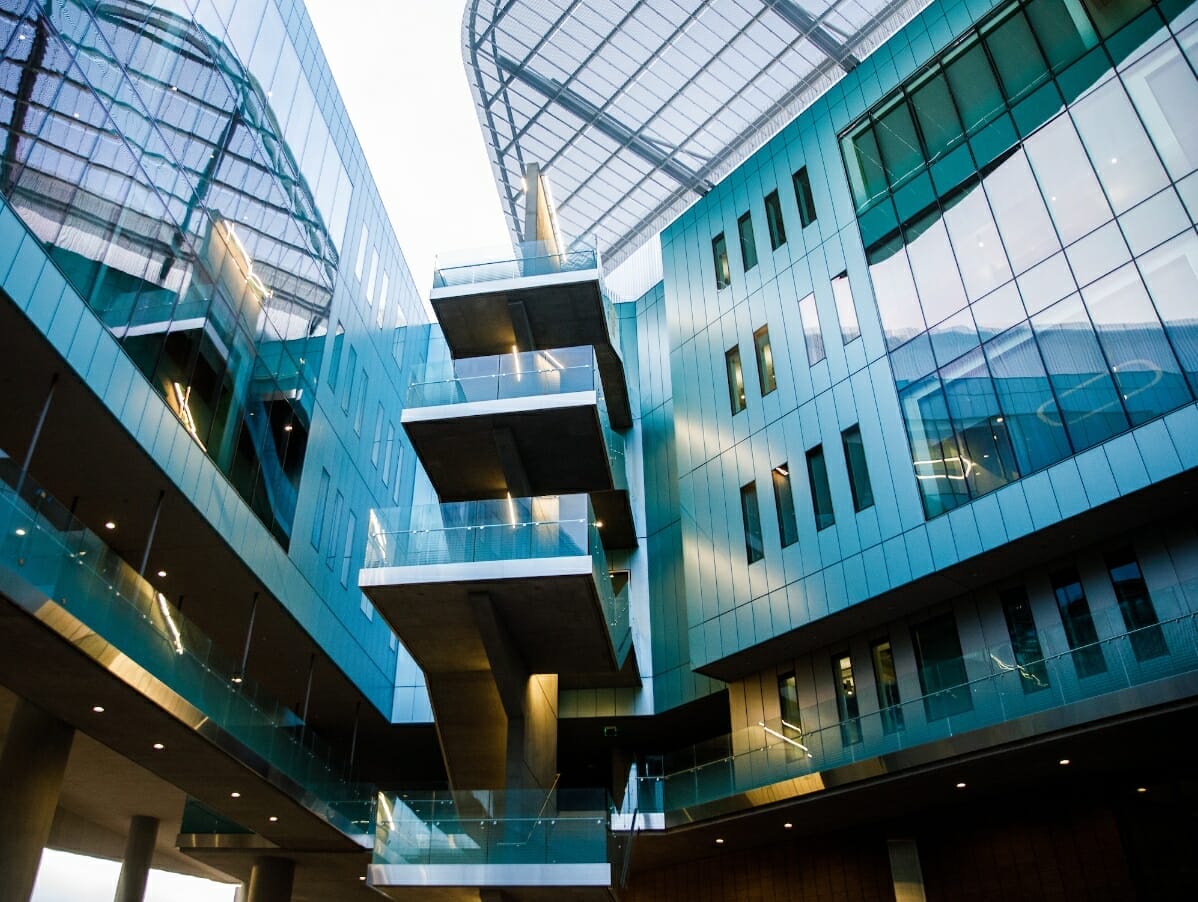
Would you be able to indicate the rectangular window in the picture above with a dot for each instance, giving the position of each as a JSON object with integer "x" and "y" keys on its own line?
{"x": 396, "y": 482}
{"x": 751, "y": 515}
{"x": 348, "y": 552}
{"x": 335, "y": 536}
{"x": 322, "y": 503}
{"x": 349, "y": 380}
{"x": 846, "y": 699}
{"x": 376, "y": 447}
{"x": 1025, "y": 641}
{"x": 1135, "y": 604}
{"x": 811, "y": 331}
{"x": 941, "y": 667}
{"x": 886, "y": 680}
{"x": 335, "y": 363}
{"x": 788, "y": 529}
{"x": 854, "y": 455}
{"x": 846, "y": 310}
{"x": 804, "y": 197}
{"x": 381, "y": 317}
{"x": 360, "y": 411}
{"x": 748, "y": 245}
{"x": 719, "y": 250}
{"x": 792, "y": 725}
{"x": 359, "y": 266}
{"x": 390, "y": 452}
{"x": 370, "y": 282}
{"x": 366, "y": 606}
{"x": 765, "y": 360}
{"x": 736, "y": 380}
{"x": 1079, "y": 624}
{"x": 821, "y": 494}
{"x": 773, "y": 220}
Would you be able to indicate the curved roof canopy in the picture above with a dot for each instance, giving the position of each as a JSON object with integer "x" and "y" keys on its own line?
{"x": 634, "y": 108}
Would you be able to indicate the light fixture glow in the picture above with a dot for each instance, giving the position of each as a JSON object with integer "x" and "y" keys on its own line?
{"x": 158, "y": 746}
{"x": 960, "y": 786}
{"x": 235, "y": 795}
{"x": 719, "y": 841}
{"x": 511, "y": 510}
{"x": 273, "y": 819}
{"x": 1063, "y": 761}
{"x": 99, "y": 709}
{"x": 110, "y": 525}
{"x": 176, "y": 638}
{"x": 1142, "y": 789}
{"x": 236, "y": 678}
{"x": 182, "y": 396}
{"x": 787, "y": 826}
{"x": 162, "y": 573}
{"x": 361, "y": 878}
{"x": 777, "y": 735}
{"x": 20, "y": 531}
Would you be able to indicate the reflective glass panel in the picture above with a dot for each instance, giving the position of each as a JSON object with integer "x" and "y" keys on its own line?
{"x": 751, "y": 516}
{"x": 935, "y": 268}
{"x": 821, "y": 494}
{"x": 788, "y": 529}
{"x": 985, "y": 447}
{"x": 1075, "y": 199}
{"x": 894, "y": 289}
{"x": 1171, "y": 273}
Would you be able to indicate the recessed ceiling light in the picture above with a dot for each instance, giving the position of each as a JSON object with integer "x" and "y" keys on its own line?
{"x": 361, "y": 878}
{"x": 719, "y": 841}
{"x": 1142, "y": 789}
{"x": 162, "y": 573}
{"x": 235, "y": 795}
{"x": 273, "y": 818}
{"x": 287, "y": 428}
{"x": 110, "y": 525}
{"x": 99, "y": 709}
{"x": 960, "y": 786}
{"x": 158, "y": 746}
{"x": 787, "y": 826}
{"x": 1063, "y": 761}
{"x": 20, "y": 532}
{"x": 236, "y": 678}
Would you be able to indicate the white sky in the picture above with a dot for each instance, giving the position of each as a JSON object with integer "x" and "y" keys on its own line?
{"x": 398, "y": 64}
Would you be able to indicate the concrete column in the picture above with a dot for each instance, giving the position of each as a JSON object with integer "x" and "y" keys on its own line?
{"x": 270, "y": 880}
{"x": 905, "y": 871}
{"x": 139, "y": 853}
{"x": 31, "y": 770}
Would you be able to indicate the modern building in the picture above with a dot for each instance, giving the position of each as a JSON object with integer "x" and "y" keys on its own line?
{"x": 852, "y": 556}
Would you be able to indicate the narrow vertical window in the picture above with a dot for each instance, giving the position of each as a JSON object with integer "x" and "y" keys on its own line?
{"x": 804, "y": 197}
{"x": 1078, "y": 622}
{"x": 886, "y": 682}
{"x": 322, "y": 503}
{"x": 1135, "y": 604}
{"x": 388, "y": 454}
{"x": 360, "y": 411}
{"x": 792, "y": 724}
{"x": 846, "y": 699}
{"x": 349, "y": 380}
{"x": 773, "y": 220}
{"x": 736, "y": 379}
{"x": 381, "y": 317}
{"x": 788, "y": 530}
{"x": 765, "y": 360}
{"x": 376, "y": 447}
{"x": 846, "y": 310}
{"x": 748, "y": 245}
{"x": 396, "y": 481}
{"x": 854, "y": 455}
{"x": 719, "y": 250}
{"x": 821, "y": 494}
{"x": 347, "y": 555}
{"x": 335, "y": 535}
{"x": 1025, "y": 641}
{"x": 941, "y": 667}
{"x": 359, "y": 266}
{"x": 370, "y": 281}
{"x": 335, "y": 363}
{"x": 751, "y": 514}
{"x": 811, "y": 331}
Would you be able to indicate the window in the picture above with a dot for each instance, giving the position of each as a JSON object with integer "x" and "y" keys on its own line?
{"x": 811, "y": 332}
{"x": 366, "y": 607}
{"x": 348, "y": 554}
{"x": 854, "y": 455}
{"x": 370, "y": 282}
{"x": 886, "y": 681}
{"x": 719, "y": 250}
{"x": 335, "y": 538}
{"x": 349, "y": 381}
{"x": 1079, "y": 624}
{"x": 773, "y": 220}
{"x": 804, "y": 197}
{"x": 361, "y": 262}
{"x": 1025, "y": 641}
{"x": 360, "y": 410}
{"x": 941, "y": 667}
{"x": 322, "y": 502}
{"x": 821, "y": 494}
{"x": 748, "y": 245}
{"x": 381, "y": 316}
{"x": 788, "y": 530}
{"x": 846, "y": 311}
{"x": 846, "y": 699}
{"x": 1135, "y": 604}
{"x": 396, "y": 481}
{"x": 754, "y": 549}
{"x": 390, "y": 451}
{"x": 335, "y": 363}
{"x": 765, "y": 360}
{"x": 736, "y": 380}
{"x": 376, "y": 447}
{"x": 792, "y": 725}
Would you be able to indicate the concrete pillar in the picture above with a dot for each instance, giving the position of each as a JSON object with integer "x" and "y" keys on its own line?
{"x": 270, "y": 880}
{"x": 139, "y": 853}
{"x": 31, "y": 770}
{"x": 905, "y": 871}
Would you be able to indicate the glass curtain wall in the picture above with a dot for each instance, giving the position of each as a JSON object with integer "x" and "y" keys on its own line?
{"x": 1026, "y": 205}
{"x": 173, "y": 165}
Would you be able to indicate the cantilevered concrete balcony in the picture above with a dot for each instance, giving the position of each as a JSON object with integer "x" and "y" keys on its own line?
{"x": 522, "y": 424}
{"x": 526, "y": 845}
{"x": 533, "y": 299}
{"x": 538, "y": 562}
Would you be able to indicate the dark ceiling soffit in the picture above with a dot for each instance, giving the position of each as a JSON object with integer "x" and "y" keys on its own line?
{"x": 608, "y": 125}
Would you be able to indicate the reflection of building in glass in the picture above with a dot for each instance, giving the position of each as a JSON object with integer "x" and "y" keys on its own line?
{"x": 926, "y": 272}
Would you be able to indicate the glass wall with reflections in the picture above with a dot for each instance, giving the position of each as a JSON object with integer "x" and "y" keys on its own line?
{"x": 1026, "y": 203}
{"x": 172, "y": 160}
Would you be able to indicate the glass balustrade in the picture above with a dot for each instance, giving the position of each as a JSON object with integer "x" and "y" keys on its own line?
{"x": 999, "y": 689}
{"x": 54, "y": 559}
{"x": 527, "y": 259}
{"x": 510, "y": 529}
{"x": 527, "y": 827}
